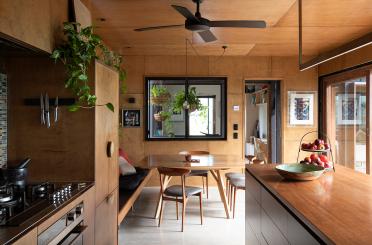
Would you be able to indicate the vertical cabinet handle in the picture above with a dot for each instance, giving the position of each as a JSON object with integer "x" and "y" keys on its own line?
{"x": 110, "y": 149}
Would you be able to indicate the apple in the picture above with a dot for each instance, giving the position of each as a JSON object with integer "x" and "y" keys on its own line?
{"x": 323, "y": 158}
{"x": 307, "y": 159}
{"x": 327, "y": 165}
{"x": 320, "y": 162}
{"x": 321, "y": 147}
{"x": 305, "y": 146}
{"x": 326, "y": 146}
{"x": 317, "y": 142}
{"x": 314, "y": 147}
{"x": 314, "y": 157}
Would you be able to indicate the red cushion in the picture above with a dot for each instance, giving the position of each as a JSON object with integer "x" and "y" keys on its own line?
{"x": 124, "y": 155}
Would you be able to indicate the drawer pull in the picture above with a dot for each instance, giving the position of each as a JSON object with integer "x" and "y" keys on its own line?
{"x": 110, "y": 149}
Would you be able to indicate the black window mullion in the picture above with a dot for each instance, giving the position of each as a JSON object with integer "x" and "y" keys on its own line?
{"x": 187, "y": 127}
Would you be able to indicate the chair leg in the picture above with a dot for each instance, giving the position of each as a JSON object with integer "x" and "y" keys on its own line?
{"x": 231, "y": 196}
{"x": 203, "y": 184}
{"x": 227, "y": 186}
{"x": 206, "y": 181}
{"x": 234, "y": 202}
{"x": 177, "y": 207}
{"x": 183, "y": 213}
{"x": 161, "y": 211}
{"x": 201, "y": 208}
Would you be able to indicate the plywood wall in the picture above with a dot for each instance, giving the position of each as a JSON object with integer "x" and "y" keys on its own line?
{"x": 63, "y": 152}
{"x": 236, "y": 69}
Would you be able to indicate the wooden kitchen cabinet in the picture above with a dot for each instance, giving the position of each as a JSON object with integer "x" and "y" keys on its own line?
{"x": 106, "y": 215}
{"x": 106, "y": 131}
{"x": 29, "y": 239}
{"x": 268, "y": 221}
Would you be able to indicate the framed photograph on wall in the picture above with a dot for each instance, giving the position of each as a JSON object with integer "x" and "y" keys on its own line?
{"x": 301, "y": 108}
{"x": 349, "y": 108}
{"x": 130, "y": 118}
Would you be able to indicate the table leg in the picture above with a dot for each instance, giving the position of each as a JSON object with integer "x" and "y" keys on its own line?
{"x": 217, "y": 176}
{"x": 165, "y": 183}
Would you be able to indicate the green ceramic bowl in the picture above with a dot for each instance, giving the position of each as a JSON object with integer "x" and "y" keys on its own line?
{"x": 299, "y": 171}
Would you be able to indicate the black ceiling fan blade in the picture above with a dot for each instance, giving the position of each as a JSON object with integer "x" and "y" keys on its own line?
{"x": 185, "y": 12}
{"x": 207, "y": 36}
{"x": 158, "y": 27}
{"x": 238, "y": 23}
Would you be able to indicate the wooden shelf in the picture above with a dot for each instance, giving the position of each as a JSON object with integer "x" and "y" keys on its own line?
{"x": 259, "y": 91}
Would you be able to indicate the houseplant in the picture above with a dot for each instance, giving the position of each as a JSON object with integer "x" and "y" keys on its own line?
{"x": 76, "y": 53}
{"x": 190, "y": 102}
{"x": 159, "y": 95}
{"x": 162, "y": 116}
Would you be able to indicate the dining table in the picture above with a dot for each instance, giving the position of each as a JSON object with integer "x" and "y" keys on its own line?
{"x": 214, "y": 163}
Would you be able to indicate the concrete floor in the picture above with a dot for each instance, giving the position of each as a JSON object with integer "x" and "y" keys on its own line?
{"x": 139, "y": 228}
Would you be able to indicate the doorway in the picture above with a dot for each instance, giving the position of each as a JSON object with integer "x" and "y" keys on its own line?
{"x": 263, "y": 120}
{"x": 346, "y": 117}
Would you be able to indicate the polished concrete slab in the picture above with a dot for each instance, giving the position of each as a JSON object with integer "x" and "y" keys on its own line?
{"x": 140, "y": 228}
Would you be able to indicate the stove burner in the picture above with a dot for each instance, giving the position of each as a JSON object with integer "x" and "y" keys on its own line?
{"x": 6, "y": 193}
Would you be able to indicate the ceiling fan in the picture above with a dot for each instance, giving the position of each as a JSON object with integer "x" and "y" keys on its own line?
{"x": 197, "y": 23}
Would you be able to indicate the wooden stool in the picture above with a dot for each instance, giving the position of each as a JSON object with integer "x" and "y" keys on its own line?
{"x": 236, "y": 184}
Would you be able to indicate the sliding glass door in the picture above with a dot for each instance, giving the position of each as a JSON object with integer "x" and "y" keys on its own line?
{"x": 346, "y": 118}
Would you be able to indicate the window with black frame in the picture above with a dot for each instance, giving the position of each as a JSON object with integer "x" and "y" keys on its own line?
{"x": 180, "y": 108}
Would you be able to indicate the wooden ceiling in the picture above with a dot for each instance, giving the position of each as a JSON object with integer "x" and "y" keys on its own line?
{"x": 327, "y": 24}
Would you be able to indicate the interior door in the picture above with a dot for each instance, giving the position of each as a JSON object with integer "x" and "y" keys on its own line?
{"x": 347, "y": 118}
{"x": 106, "y": 131}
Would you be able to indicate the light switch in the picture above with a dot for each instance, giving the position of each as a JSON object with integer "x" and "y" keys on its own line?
{"x": 235, "y": 135}
{"x": 236, "y": 108}
{"x": 236, "y": 126}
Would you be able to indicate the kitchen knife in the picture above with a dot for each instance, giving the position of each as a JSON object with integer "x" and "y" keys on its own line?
{"x": 47, "y": 115}
{"x": 56, "y": 110}
{"x": 42, "y": 109}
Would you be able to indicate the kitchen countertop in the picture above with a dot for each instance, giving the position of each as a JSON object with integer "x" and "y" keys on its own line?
{"x": 8, "y": 234}
{"x": 337, "y": 206}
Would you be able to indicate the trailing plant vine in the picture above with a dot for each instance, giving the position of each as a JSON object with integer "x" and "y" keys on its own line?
{"x": 80, "y": 49}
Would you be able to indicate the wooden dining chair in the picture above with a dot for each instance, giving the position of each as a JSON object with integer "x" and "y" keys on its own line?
{"x": 236, "y": 184}
{"x": 228, "y": 177}
{"x": 178, "y": 193}
{"x": 201, "y": 173}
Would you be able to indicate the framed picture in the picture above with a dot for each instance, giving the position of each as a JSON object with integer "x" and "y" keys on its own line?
{"x": 130, "y": 118}
{"x": 349, "y": 108}
{"x": 301, "y": 108}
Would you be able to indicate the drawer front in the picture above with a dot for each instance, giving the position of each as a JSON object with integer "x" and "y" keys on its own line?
{"x": 253, "y": 213}
{"x": 274, "y": 210}
{"x": 270, "y": 232}
{"x": 298, "y": 234}
{"x": 253, "y": 187}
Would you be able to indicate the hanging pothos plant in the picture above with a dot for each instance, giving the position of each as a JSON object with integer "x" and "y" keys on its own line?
{"x": 80, "y": 49}
{"x": 190, "y": 102}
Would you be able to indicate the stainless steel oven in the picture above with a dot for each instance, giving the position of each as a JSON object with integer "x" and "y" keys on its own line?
{"x": 68, "y": 230}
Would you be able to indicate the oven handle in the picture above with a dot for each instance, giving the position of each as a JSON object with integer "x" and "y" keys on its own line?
{"x": 79, "y": 230}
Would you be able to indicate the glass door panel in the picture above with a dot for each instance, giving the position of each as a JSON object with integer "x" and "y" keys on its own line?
{"x": 346, "y": 122}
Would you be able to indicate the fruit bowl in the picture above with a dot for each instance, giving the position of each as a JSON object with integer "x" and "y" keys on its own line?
{"x": 302, "y": 172}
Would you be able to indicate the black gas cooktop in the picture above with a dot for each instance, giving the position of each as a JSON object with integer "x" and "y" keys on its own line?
{"x": 18, "y": 204}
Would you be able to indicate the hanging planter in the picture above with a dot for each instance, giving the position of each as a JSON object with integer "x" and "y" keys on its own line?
{"x": 78, "y": 51}
{"x": 161, "y": 116}
{"x": 159, "y": 95}
{"x": 190, "y": 102}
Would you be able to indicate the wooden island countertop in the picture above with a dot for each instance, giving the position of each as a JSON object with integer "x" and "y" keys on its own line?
{"x": 337, "y": 206}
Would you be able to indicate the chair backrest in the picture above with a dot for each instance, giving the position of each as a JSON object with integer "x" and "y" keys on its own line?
{"x": 194, "y": 153}
{"x": 261, "y": 150}
{"x": 181, "y": 172}
{"x": 174, "y": 171}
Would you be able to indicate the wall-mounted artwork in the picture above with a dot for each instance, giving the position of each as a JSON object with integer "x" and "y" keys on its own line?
{"x": 301, "y": 108}
{"x": 130, "y": 118}
{"x": 349, "y": 108}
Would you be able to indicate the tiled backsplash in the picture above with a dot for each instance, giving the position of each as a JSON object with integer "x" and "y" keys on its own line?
{"x": 3, "y": 119}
